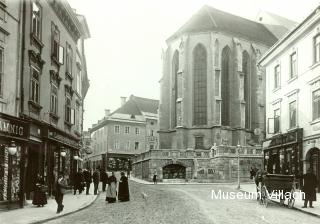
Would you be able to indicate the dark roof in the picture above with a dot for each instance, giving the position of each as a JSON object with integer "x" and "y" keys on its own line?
{"x": 208, "y": 18}
{"x": 136, "y": 105}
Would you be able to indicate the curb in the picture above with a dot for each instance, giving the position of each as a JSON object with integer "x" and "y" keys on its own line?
{"x": 65, "y": 214}
{"x": 295, "y": 208}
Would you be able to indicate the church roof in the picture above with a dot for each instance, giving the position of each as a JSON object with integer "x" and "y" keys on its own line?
{"x": 138, "y": 106}
{"x": 208, "y": 18}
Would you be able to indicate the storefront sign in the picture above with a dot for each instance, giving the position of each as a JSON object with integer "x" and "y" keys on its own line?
{"x": 13, "y": 127}
{"x": 56, "y": 136}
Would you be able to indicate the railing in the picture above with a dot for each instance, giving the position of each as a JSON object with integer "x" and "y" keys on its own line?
{"x": 200, "y": 154}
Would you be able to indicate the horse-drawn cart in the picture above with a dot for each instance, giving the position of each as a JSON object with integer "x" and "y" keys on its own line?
{"x": 277, "y": 186}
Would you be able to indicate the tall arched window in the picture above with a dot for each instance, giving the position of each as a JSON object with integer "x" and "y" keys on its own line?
{"x": 216, "y": 53}
{"x": 175, "y": 69}
{"x": 226, "y": 69}
{"x": 199, "y": 85}
{"x": 246, "y": 86}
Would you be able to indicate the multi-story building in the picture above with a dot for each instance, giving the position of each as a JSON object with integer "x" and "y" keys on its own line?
{"x": 212, "y": 99}
{"x": 13, "y": 130}
{"x": 54, "y": 83}
{"x": 128, "y": 131}
{"x": 292, "y": 100}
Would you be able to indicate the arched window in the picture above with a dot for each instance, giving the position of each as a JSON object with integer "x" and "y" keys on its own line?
{"x": 246, "y": 86}
{"x": 175, "y": 69}
{"x": 199, "y": 85}
{"x": 226, "y": 69}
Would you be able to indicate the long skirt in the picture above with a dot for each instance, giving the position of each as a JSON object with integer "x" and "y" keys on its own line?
{"x": 39, "y": 197}
{"x": 111, "y": 192}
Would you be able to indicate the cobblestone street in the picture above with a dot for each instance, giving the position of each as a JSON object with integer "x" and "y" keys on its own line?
{"x": 183, "y": 204}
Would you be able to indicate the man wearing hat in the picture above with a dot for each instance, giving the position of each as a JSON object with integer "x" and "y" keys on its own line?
{"x": 309, "y": 188}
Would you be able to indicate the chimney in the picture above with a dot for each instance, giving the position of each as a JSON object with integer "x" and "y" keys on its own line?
{"x": 106, "y": 112}
{"x": 123, "y": 100}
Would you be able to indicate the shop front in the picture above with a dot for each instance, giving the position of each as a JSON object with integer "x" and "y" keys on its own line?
{"x": 14, "y": 134}
{"x": 283, "y": 153}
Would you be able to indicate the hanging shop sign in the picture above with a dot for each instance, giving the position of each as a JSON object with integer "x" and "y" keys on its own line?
{"x": 13, "y": 126}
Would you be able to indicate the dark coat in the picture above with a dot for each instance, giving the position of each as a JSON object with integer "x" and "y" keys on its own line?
{"x": 39, "y": 197}
{"x": 309, "y": 187}
{"x": 104, "y": 177}
{"x": 78, "y": 179}
{"x": 123, "y": 194}
{"x": 96, "y": 176}
{"x": 87, "y": 176}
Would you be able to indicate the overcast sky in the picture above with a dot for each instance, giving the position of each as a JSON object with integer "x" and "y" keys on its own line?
{"x": 124, "y": 51}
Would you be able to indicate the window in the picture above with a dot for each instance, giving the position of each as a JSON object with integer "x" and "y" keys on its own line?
{"x": 2, "y": 14}
{"x": 127, "y": 130}
{"x": 69, "y": 55}
{"x": 1, "y": 73}
{"x": 78, "y": 119}
{"x": 293, "y": 65}
{"x": 317, "y": 48}
{"x": 127, "y": 147}
{"x": 137, "y": 131}
{"x": 151, "y": 146}
{"x": 116, "y": 144}
{"x": 293, "y": 114}
{"x": 136, "y": 145}
{"x": 217, "y": 83}
{"x": 316, "y": 104}
{"x": 36, "y": 20}
{"x": 199, "y": 85}
{"x": 78, "y": 87}
{"x": 151, "y": 132}
{"x": 68, "y": 109}
{"x": 199, "y": 142}
{"x": 57, "y": 51}
{"x": 276, "y": 115}
{"x": 54, "y": 99}
{"x": 277, "y": 76}
{"x": 35, "y": 85}
{"x": 117, "y": 129}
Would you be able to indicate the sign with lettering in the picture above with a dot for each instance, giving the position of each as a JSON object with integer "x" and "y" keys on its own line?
{"x": 56, "y": 136}
{"x": 13, "y": 126}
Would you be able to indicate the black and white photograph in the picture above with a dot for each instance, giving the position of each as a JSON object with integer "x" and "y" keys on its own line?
{"x": 159, "y": 111}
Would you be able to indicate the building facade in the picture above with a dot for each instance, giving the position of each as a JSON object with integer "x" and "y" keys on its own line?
{"x": 128, "y": 131}
{"x": 52, "y": 80}
{"x": 292, "y": 102}
{"x": 212, "y": 98}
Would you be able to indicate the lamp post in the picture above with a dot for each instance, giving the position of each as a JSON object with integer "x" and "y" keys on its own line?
{"x": 238, "y": 154}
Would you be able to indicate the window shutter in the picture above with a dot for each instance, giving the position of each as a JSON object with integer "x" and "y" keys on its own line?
{"x": 72, "y": 116}
{"x": 61, "y": 54}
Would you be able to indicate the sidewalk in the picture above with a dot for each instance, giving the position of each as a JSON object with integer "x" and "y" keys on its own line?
{"x": 251, "y": 188}
{"x": 33, "y": 214}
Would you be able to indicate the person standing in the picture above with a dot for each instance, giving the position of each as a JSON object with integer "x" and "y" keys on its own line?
{"x": 39, "y": 198}
{"x": 78, "y": 180}
{"x": 104, "y": 179}
{"x": 123, "y": 194}
{"x": 87, "y": 179}
{"x": 155, "y": 178}
{"x": 61, "y": 186}
{"x": 309, "y": 188}
{"x": 112, "y": 189}
{"x": 96, "y": 180}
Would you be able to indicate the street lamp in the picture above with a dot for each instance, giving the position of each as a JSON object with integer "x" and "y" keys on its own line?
{"x": 12, "y": 148}
{"x": 238, "y": 153}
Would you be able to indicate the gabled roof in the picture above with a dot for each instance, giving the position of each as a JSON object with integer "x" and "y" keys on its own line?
{"x": 138, "y": 105}
{"x": 208, "y": 18}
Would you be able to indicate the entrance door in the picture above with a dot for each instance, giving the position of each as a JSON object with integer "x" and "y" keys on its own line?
{"x": 315, "y": 164}
{"x": 32, "y": 169}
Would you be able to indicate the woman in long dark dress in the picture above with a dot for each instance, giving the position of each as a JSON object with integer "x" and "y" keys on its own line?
{"x": 39, "y": 198}
{"x": 123, "y": 194}
{"x": 111, "y": 196}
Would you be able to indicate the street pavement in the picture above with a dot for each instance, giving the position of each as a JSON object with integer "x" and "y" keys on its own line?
{"x": 184, "y": 204}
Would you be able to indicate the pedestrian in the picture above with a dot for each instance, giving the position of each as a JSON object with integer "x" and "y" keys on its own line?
{"x": 309, "y": 188}
{"x": 252, "y": 173}
{"x": 39, "y": 198}
{"x": 96, "y": 180}
{"x": 155, "y": 178}
{"x": 123, "y": 194}
{"x": 61, "y": 186}
{"x": 112, "y": 189}
{"x": 87, "y": 179}
{"x": 104, "y": 179}
{"x": 78, "y": 182}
